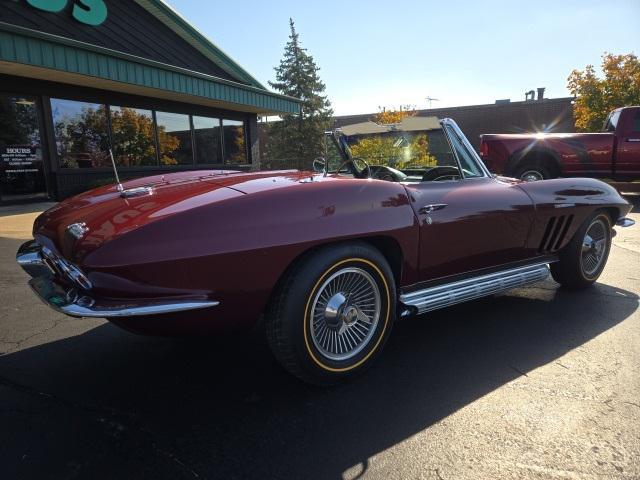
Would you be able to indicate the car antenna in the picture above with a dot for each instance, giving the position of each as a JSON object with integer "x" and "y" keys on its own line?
{"x": 115, "y": 172}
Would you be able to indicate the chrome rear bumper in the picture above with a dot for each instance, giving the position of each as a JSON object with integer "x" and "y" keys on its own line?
{"x": 76, "y": 302}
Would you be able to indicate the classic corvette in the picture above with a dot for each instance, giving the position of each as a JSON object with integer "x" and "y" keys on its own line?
{"x": 325, "y": 261}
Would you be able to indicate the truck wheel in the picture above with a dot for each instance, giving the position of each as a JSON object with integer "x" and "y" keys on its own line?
{"x": 583, "y": 259}
{"x": 531, "y": 172}
{"x": 332, "y": 312}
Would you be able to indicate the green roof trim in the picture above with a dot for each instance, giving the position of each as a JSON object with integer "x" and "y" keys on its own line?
{"x": 30, "y": 47}
{"x": 176, "y": 22}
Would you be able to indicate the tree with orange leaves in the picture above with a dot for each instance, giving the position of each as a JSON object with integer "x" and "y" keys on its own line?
{"x": 596, "y": 97}
{"x": 386, "y": 117}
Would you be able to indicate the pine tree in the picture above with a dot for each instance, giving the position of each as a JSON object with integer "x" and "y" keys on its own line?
{"x": 299, "y": 138}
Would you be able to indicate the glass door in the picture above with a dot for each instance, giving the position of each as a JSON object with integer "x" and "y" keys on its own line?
{"x": 22, "y": 174}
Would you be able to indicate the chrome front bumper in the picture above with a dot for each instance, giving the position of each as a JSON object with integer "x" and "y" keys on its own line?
{"x": 625, "y": 222}
{"x": 76, "y": 302}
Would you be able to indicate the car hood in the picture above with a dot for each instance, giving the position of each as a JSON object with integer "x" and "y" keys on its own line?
{"x": 98, "y": 216}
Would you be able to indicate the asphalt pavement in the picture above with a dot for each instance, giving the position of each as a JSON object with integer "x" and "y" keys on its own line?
{"x": 537, "y": 383}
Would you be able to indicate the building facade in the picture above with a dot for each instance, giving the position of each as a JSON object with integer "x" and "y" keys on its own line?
{"x": 544, "y": 114}
{"x": 79, "y": 80}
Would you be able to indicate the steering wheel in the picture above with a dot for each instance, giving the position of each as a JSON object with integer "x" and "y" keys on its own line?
{"x": 383, "y": 172}
{"x": 356, "y": 172}
{"x": 441, "y": 173}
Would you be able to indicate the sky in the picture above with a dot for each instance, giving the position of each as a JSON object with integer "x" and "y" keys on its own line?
{"x": 375, "y": 54}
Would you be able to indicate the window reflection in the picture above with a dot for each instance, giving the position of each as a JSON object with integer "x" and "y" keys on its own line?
{"x": 82, "y": 138}
{"x": 174, "y": 138}
{"x": 235, "y": 151}
{"x": 133, "y": 136}
{"x": 141, "y": 137}
{"x": 206, "y": 132}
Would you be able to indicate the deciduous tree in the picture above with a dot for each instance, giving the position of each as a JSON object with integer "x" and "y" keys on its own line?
{"x": 394, "y": 151}
{"x": 596, "y": 97}
{"x": 385, "y": 117}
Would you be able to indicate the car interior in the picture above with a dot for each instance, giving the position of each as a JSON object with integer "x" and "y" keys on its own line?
{"x": 398, "y": 155}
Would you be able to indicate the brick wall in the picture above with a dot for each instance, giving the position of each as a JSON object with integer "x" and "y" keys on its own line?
{"x": 555, "y": 114}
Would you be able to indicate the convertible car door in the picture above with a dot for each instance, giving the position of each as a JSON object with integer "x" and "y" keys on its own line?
{"x": 471, "y": 223}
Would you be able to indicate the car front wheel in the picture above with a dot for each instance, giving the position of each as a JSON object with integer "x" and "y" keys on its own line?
{"x": 332, "y": 313}
{"x": 583, "y": 259}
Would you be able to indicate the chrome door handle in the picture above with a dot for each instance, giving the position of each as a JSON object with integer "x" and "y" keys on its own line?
{"x": 432, "y": 208}
{"x": 633, "y": 139}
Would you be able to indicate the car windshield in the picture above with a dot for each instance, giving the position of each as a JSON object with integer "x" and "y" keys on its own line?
{"x": 414, "y": 150}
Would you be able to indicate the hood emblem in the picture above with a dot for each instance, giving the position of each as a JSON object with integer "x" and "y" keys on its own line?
{"x": 77, "y": 230}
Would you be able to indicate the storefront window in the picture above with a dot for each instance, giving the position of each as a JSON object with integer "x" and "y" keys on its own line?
{"x": 235, "y": 151}
{"x": 140, "y": 137}
{"x": 133, "y": 136}
{"x": 81, "y": 133}
{"x": 174, "y": 138}
{"x": 21, "y": 167}
{"x": 206, "y": 132}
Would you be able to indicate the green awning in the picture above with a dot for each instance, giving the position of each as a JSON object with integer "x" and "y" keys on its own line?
{"x": 42, "y": 55}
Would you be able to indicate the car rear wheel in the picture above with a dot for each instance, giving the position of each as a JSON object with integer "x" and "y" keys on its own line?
{"x": 583, "y": 259}
{"x": 332, "y": 313}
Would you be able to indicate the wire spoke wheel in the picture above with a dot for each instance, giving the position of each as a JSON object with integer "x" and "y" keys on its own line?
{"x": 594, "y": 247}
{"x": 531, "y": 176}
{"x": 345, "y": 313}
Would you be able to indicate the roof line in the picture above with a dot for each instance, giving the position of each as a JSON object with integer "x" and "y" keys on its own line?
{"x": 176, "y": 22}
{"x": 28, "y": 32}
{"x": 460, "y": 107}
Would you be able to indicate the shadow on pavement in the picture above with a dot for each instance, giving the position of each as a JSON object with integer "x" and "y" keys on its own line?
{"x": 109, "y": 404}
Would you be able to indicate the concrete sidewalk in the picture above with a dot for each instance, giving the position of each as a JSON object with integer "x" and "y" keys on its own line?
{"x": 16, "y": 220}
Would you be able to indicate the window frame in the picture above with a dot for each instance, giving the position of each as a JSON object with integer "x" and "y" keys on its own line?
{"x": 191, "y": 140}
{"x": 155, "y": 135}
{"x": 451, "y": 127}
{"x": 220, "y": 139}
{"x": 610, "y": 123}
{"x": 635, "y": 122}
{"x": 223, "y": 143}
{"x": 48, "y": 165}
{"x": 197, "y": 111}
{"x": 54, "y": 152}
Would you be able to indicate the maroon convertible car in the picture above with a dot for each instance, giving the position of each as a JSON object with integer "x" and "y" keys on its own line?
{"x": 328, "y": 260}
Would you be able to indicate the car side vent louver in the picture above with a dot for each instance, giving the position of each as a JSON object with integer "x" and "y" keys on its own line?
{"x": 555, "y": 233}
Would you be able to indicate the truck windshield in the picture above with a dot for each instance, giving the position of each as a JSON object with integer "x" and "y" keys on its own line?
{"x": 611, "y": 122}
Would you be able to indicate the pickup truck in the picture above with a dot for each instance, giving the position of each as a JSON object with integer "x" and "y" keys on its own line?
{"x": 612, "y": 154}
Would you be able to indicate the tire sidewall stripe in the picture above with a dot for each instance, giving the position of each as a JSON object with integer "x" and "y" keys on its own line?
{"x": 384, "y": 327}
